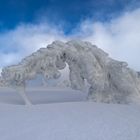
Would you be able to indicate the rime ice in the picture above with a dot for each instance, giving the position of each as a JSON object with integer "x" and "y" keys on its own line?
{"x": 110, "y": 80}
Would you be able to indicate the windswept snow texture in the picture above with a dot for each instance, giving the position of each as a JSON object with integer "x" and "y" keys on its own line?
{"x": 70, "y": 121}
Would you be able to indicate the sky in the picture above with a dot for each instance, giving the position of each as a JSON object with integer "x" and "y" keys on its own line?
{"x": 112, "y": 25}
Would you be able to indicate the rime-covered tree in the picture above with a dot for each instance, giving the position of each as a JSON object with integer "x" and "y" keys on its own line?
{"x": 109, "y": 80}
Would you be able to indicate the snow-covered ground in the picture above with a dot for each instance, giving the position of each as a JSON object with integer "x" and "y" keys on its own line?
{"x": 65, "y": 115}
{"x": 40, "y": 95}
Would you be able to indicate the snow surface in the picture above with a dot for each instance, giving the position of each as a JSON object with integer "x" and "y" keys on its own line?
{"x": 41, "y": 95}
{"x": 52, "y": 118}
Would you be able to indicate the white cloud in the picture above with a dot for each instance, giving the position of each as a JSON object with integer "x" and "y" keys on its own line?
{"x": 120, "y": 37}
{"x": 25, "y": 39}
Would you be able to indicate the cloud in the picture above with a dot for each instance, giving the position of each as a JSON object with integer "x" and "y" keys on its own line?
{"x": 25, "y": 39}
{"x": 120, "y": 37}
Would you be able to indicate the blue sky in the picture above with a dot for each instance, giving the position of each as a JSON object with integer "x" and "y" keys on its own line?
{"x": 27, "y": 25}
{"x": 67, "y": 13}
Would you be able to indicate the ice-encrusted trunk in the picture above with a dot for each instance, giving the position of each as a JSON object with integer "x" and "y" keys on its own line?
{"x": 110, "y": 80}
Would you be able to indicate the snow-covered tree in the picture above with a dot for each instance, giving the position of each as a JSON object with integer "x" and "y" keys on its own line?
{"x": 109, "y": 80}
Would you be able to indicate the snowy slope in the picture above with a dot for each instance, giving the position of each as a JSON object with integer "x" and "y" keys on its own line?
{"x": 63, "y": 114}
{"x": 70, "y": 121}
